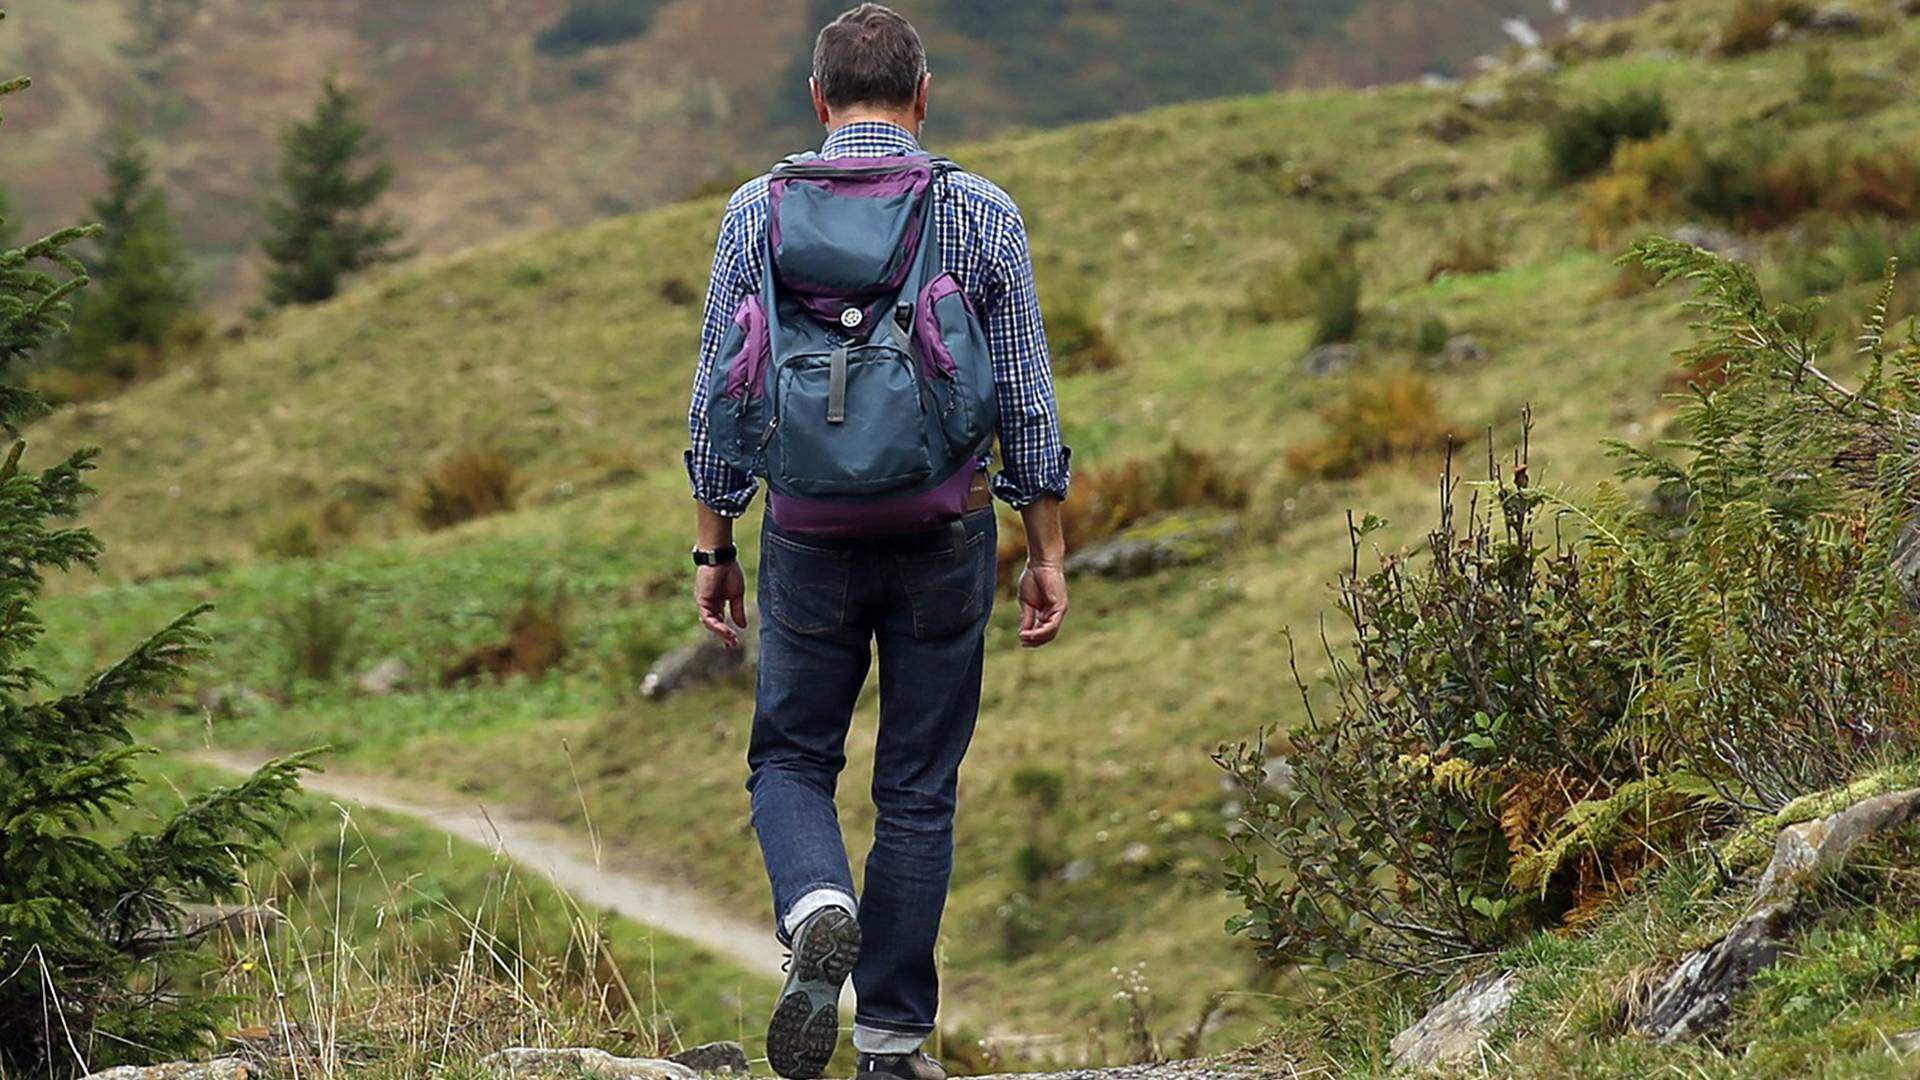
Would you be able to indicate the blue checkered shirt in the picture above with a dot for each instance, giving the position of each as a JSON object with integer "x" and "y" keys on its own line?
{"x": 983, "y": 243}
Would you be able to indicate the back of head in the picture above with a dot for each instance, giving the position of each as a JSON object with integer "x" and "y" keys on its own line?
{"x": 869, "y": 57}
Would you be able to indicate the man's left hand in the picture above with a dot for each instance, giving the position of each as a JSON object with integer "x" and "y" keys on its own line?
{"x": 716, "y": 589}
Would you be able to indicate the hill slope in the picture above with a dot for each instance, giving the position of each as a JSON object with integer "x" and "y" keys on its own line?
{"x": 572, "y": 352}
{"x": 529, "y": 115}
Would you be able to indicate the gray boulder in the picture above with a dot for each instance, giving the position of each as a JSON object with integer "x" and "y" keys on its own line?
{"x": 1836, "y": 19}
{"x": 1330, "y": 359}
{"x": 1456, "y": 1029}
{"x": 539, "y": 1064}
{"x": 384, "y": 678}
{"x": 1697, "y": 996}
{"x": 1463, "y": 350}
{"x": 1152, "y": 548}
{"x": 704, "y": 663}
{"x": 1716, "y": 241}
{"x": 1906, "y": 557}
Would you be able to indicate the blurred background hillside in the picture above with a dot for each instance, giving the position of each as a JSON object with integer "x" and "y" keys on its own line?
{"x": 509, "y": 115}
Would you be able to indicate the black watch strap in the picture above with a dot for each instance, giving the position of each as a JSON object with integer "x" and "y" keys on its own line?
{"x": 716, "y": 557}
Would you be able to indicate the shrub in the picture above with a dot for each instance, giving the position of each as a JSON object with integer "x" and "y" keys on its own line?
{"x": 1386, "y": 418}
{"x": 1750, "y": 27}
{"x": 1519, "y": 730}
{"x": 468, "y": 484}
{"x": 1649, "y": 180}
{"x": 538, "y": 638}
{"x": 587, "y": 24}
{"x": 1583, "y": 139}
{"x": 1336, "y": 305}
{"x": 1432, "y": 336}
{"x": 638, "y": 642}
{"x": 1474, "y": 246}
{"x": 98, "y": 969}
{"x": 316, "y": 637}
{"x": 1858, "y": 253}
{"x": 1293, "y": 290}
{"x": 1079, "y": 342}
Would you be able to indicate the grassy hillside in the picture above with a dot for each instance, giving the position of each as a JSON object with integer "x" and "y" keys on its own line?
{"x": 571, "y": 352}
{"x": 506, "y": 117}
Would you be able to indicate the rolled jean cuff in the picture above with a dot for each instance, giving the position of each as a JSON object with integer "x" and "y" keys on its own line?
{"x": 868, "y": 1039}
{"x": 811, "y": 904}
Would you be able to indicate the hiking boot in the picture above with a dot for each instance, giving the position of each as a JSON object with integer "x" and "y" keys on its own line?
{"x": 914, "y": 1066}
{"x": 805, "y": 1029}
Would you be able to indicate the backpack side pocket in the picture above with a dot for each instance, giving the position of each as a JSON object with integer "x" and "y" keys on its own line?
{"x": 954, "y": 348}
{"x": 738, "y": 412}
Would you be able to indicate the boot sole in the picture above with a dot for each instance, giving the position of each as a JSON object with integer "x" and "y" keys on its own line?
{"x": 805, "y": 1029}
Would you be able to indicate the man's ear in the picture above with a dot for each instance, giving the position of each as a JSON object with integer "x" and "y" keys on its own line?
{"x": 920, "y": 99}
{"x": 819, "y": 103}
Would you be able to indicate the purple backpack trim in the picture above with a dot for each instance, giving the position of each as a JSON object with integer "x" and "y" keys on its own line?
{"x": 747, "y": 373}
{"x": 926, "y": 329}
{"x": 879, "y": 517}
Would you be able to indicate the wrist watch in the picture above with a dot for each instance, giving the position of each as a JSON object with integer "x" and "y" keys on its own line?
{"x": 716, "y": 557}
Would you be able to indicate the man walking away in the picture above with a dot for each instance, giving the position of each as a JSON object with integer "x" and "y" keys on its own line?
{"x": 871, "y": 325}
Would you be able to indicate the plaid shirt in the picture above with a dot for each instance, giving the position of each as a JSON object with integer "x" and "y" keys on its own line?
{"x": 983, "y": 243}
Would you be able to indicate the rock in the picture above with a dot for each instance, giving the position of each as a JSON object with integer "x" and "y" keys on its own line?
{"x": 383, "y": 678}
{"x": 1807, "y": 851}
{"x": 217, "y": 1069}
{"x": 1463, "y": 350}
{"x": 1721, "y": 242}
{"x": 1697, "y": 996}
{"x": 1276, "y": 776}
{"x": 703, "y": 663}
{"x": 1151, "y": 549}
{"x": 1330, "y": 359}
{"x": 1910, "y": 7}
{"x": 1077, "y": 871}
{"x": 582, "y": 1061}
{"x": 1836, "y": 20}
{"x": 715, "y": 1057}
{"x": 1906, "y": 557}
{"x": 1907, "y": 1042}
{"x": 1455, "y": 1029}
{"x": 1489, "y": 99}
{"x": 1451, "y": 127}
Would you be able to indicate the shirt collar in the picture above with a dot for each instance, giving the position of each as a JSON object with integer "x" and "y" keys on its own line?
{"x": 870, "y": 138}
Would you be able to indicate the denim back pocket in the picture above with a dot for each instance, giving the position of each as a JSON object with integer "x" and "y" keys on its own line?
{"x": 949, "y": 595}
{"x": 804, "y": 588}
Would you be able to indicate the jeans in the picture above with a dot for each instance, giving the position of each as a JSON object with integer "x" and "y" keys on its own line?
{"x": 823, "y": 604}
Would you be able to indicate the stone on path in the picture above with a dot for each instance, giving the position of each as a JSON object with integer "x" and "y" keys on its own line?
{"x": 1456, "y": 1029}
{"x": 217, "y": 1069}
{"x": 1330, "y": 359}
{"x": 537, "y": 1064}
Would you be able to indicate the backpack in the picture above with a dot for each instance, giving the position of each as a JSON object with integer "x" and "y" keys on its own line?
{"x": 856, "y": 380}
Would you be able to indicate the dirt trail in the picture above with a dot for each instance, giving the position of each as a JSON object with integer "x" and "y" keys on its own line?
{"x": 558, "y": 854}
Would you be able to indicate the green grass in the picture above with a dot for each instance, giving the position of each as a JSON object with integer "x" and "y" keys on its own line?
{"x": 382, "y": 912}
{"x": 562, "y": 350}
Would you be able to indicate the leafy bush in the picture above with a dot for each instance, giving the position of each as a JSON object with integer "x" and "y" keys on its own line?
{"x": 1859, "y": 252}
{"x": 316, "y": 637}
{"x": 1519, "y": 730}
{"x": 1750, "y": 27}
{"x": 1472, "y": 246}
{"x": 97, "y": 968}
{"x": 468, "y": 484}
{"x": 1298, "y": 289}
{"x": 1336, "y": 304}
{"x": 1385, "y": 418}
{"x": 1649, "y": 181}
{"x": 587, "y": 24}
{"x": 1079, "y": 342}
{"x": 1582, "y": 140}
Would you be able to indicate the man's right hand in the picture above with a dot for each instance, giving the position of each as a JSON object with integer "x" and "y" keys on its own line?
{"x": 1043, "y": 603}
{"x": 717, "y": 589}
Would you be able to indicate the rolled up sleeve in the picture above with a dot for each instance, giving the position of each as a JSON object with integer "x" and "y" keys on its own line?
{"x": 1033, "y": 459}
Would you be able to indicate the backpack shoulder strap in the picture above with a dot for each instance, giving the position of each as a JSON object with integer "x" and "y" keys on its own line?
{"x": 800, "y": 158}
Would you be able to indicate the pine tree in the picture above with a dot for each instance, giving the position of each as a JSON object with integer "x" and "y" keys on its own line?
{"x": 323, "y": 224}
{"x": 8, "y": 229}
{"x": 93, "y": 970}
{"x": 142, "y": 287}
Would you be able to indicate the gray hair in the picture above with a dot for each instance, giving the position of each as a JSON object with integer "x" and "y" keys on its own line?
{"x": 869, "y": 56}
